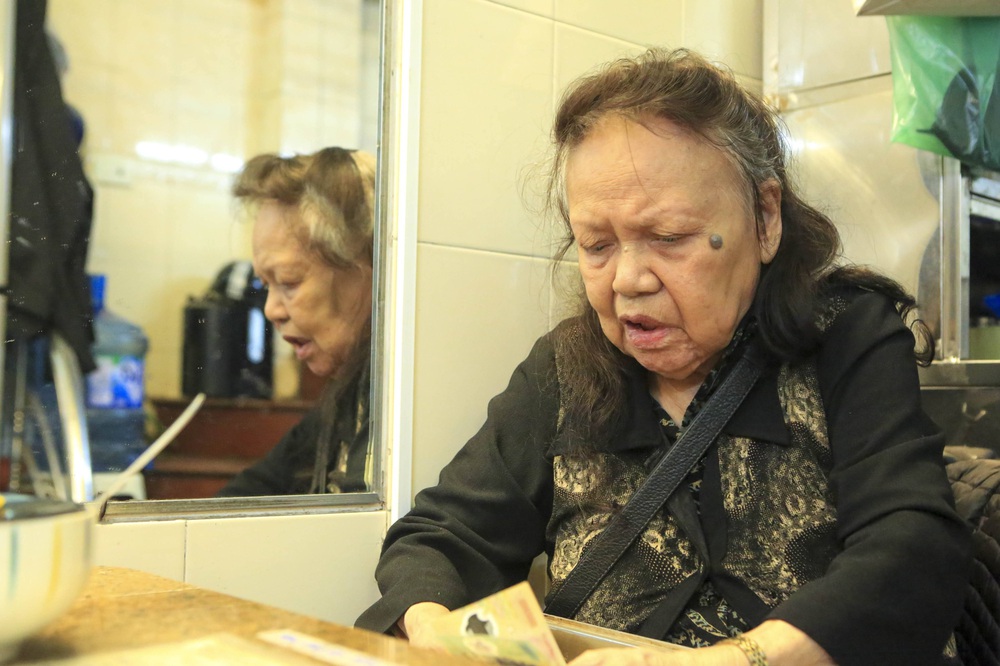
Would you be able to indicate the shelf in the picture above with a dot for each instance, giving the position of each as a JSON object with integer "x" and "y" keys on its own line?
{"x": 927, "y": 7}
{"x": 964, "y": 373}
{"x": 226, "y": 436}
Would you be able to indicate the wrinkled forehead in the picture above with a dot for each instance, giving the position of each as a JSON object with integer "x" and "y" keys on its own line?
{"x": 655, "y": 144}
{"x": 653, "y": 153}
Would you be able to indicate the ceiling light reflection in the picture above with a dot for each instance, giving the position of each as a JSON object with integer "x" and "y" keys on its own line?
{"x": 225, "y": 163}
{"x": 187, "y": 155}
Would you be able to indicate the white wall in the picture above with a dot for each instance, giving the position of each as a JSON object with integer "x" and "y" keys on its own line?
{"x": 491, "y": 77}
{"x": 319, "y": 565}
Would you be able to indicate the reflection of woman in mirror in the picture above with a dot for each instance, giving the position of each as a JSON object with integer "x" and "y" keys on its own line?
{"x": 312, "y": 247}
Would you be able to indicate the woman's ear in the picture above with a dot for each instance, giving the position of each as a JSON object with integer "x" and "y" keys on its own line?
{"x": 770, "y": 211}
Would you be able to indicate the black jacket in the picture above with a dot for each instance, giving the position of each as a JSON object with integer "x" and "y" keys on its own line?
{"x": 288, "y": 468}
{"x": 891, "y": 592}
{"x": 51, "y": 201}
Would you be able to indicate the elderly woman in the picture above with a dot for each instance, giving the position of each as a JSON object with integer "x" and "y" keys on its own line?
{"x": 312, "y": 248}
{"x": 819, "y": 527}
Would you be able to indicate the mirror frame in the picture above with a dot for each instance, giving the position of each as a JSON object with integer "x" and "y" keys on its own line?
{"x": 7, "y": 49}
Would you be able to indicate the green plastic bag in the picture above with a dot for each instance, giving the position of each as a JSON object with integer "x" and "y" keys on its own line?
{"x": 944, "y": 92}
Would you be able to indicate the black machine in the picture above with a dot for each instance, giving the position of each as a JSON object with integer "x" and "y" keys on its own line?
{"x": 228, "y": 342}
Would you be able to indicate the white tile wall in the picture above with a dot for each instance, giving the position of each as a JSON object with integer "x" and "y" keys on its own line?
{"x": 726, "y": 31}
{"x": 646, "y": 22}
{"x": 485, "y": 102}
{"x": 478, "y": 314}
{"x": 822, "y": 43}
{"x": 540, "y": 7}
{"x": 579, "y": 52}
{"x": 319, "y": 565}
{"x": 156, "y": 547}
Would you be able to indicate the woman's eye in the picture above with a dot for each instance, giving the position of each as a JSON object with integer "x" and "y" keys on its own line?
{"x": 596, "y": 248}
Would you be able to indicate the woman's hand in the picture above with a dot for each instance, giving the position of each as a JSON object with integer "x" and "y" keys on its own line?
{"x": 415, "y": 623}
{"x": 781, "y": 643}
{"x": 717, "y": 655}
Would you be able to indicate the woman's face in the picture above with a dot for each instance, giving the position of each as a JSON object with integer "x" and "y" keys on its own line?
{"x": 643, "y": 206}
{"x": 319, "y": 309}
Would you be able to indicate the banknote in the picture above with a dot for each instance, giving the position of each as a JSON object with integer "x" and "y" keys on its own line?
{"x": 508, "y": 627}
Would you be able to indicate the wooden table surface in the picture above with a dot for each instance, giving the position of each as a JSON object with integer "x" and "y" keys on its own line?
{"x": 123, "y": 609}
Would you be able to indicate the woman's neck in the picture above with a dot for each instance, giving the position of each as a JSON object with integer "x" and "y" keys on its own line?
{"x": 675, "y": 395}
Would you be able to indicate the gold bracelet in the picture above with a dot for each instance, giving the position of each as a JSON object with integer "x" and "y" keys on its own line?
{"x": 750, "y": 648}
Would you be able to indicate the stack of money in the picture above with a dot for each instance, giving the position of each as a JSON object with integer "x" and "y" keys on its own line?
{"x": 508, "y": 627}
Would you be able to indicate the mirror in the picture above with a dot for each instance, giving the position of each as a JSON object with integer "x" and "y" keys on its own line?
{"x": 172, "y": 99}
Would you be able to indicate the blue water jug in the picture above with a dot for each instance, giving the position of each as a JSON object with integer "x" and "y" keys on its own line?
{"x": 115, "y": 390}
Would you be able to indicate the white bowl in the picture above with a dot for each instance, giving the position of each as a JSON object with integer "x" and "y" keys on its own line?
{"x": 45, "y": 558}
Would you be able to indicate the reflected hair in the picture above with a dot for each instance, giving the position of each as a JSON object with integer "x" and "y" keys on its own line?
{"x": 333, "y": 191}
{"x": 706, "y": 100}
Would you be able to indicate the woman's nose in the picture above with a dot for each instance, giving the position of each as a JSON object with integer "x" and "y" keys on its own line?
{"x": 274, "y": 307}
{"x": 633, "y": 276}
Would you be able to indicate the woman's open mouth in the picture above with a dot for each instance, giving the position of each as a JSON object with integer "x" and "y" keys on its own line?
{"x": 642, "y": 332}
{"x": 301, "y": 346}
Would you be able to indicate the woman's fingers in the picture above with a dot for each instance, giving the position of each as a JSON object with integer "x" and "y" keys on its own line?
{"x": 418, "y": 621}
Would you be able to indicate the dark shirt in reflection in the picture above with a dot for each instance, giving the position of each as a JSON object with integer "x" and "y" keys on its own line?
{"x": 328, "y": 451}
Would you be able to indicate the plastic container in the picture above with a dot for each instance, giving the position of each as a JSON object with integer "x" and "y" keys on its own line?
{"x": 115, "y": 390}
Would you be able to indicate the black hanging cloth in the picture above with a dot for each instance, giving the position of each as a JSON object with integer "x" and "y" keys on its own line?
{"x": 51, "y": 203}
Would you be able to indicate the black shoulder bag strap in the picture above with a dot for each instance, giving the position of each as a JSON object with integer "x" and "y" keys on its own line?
{"x": 623, "y": 529}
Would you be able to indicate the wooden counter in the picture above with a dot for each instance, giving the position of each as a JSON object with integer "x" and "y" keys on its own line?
{"x": 126, "y": 609}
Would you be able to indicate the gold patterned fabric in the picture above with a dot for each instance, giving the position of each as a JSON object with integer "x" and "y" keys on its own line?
{"x": 584, "y": 503}
{"x": 777, "y": 500}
